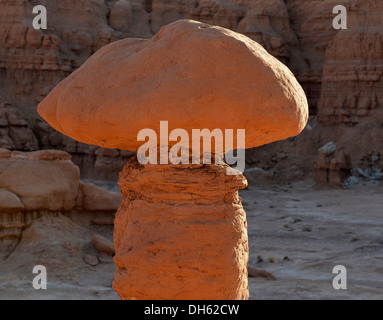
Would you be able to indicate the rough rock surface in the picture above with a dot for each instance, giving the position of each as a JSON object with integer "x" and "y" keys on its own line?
{"x": 63, "y": 246}
{"x": 190, "y": 241}
{"x": 332, "y": 169}
{"x": 255, "y": 273}
{"x": 91, "y": 260}
{"x": 351, "y": 99}
{"x": 52, "y": 236}
{"x": 103, "y": 245}
{"x": 201, "y": 82}
{"x": 36, "y": 184}
{"x": 49, "y": 184}
{"x": 95, "y": 198}
{"x": 10, "y": 201}
{"x": 15, "y": 133}
{"x": 258, "y": 176}
{"x": 33, "y": 61}
{"x": 95, "y": 163}
{"x": 288, "y": 160}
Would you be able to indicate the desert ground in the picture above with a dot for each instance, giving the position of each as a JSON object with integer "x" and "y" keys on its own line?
{"x": 301, "y": 234}
{"x": 296, "y": 232}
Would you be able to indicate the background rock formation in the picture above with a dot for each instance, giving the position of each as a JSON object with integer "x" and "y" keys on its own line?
{"x": 42, "y": 184}
{"x": 15, "y": 134}
{"x": 340, "y": 71}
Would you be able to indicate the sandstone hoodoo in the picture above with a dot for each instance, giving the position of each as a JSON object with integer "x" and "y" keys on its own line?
{"x": 180, "y": 232}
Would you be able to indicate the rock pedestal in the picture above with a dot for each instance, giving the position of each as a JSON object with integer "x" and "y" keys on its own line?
{"x": 180, "y": 233}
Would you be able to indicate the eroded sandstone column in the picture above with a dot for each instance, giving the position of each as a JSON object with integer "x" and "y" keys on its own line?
{"x": 180, "y": 233}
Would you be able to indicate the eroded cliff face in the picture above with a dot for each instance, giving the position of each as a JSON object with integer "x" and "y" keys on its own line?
{"x": 15, "y": 134}
{"x": 340, "y": 70}
{"x": 351, "y": 99}
{"x": 33, "y": 62}
{"x": 46, "y": 184}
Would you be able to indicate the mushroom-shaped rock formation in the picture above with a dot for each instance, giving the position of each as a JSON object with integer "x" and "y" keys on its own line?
{"x": 180, "y": 232}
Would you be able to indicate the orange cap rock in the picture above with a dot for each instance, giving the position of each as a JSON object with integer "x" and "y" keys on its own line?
{"x": 193, "y": 75}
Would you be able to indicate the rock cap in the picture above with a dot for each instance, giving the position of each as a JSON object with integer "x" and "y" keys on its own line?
{"x": 191, "y": 74}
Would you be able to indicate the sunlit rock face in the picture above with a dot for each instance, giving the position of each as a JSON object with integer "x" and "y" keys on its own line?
{"x": 180, "y": 233}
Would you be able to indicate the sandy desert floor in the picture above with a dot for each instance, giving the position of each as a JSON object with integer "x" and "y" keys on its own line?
{"x": 296, "y": 233}
{"x": 301, "y": 234}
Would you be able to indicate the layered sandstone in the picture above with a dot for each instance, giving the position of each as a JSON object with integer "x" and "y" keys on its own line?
{"x": 15, "y": 134}
{"x": 33, "y": 61}
{"x": 46, "y": 183}
{"x": 351, "y": 100}
{"x": 183, "y": 228}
